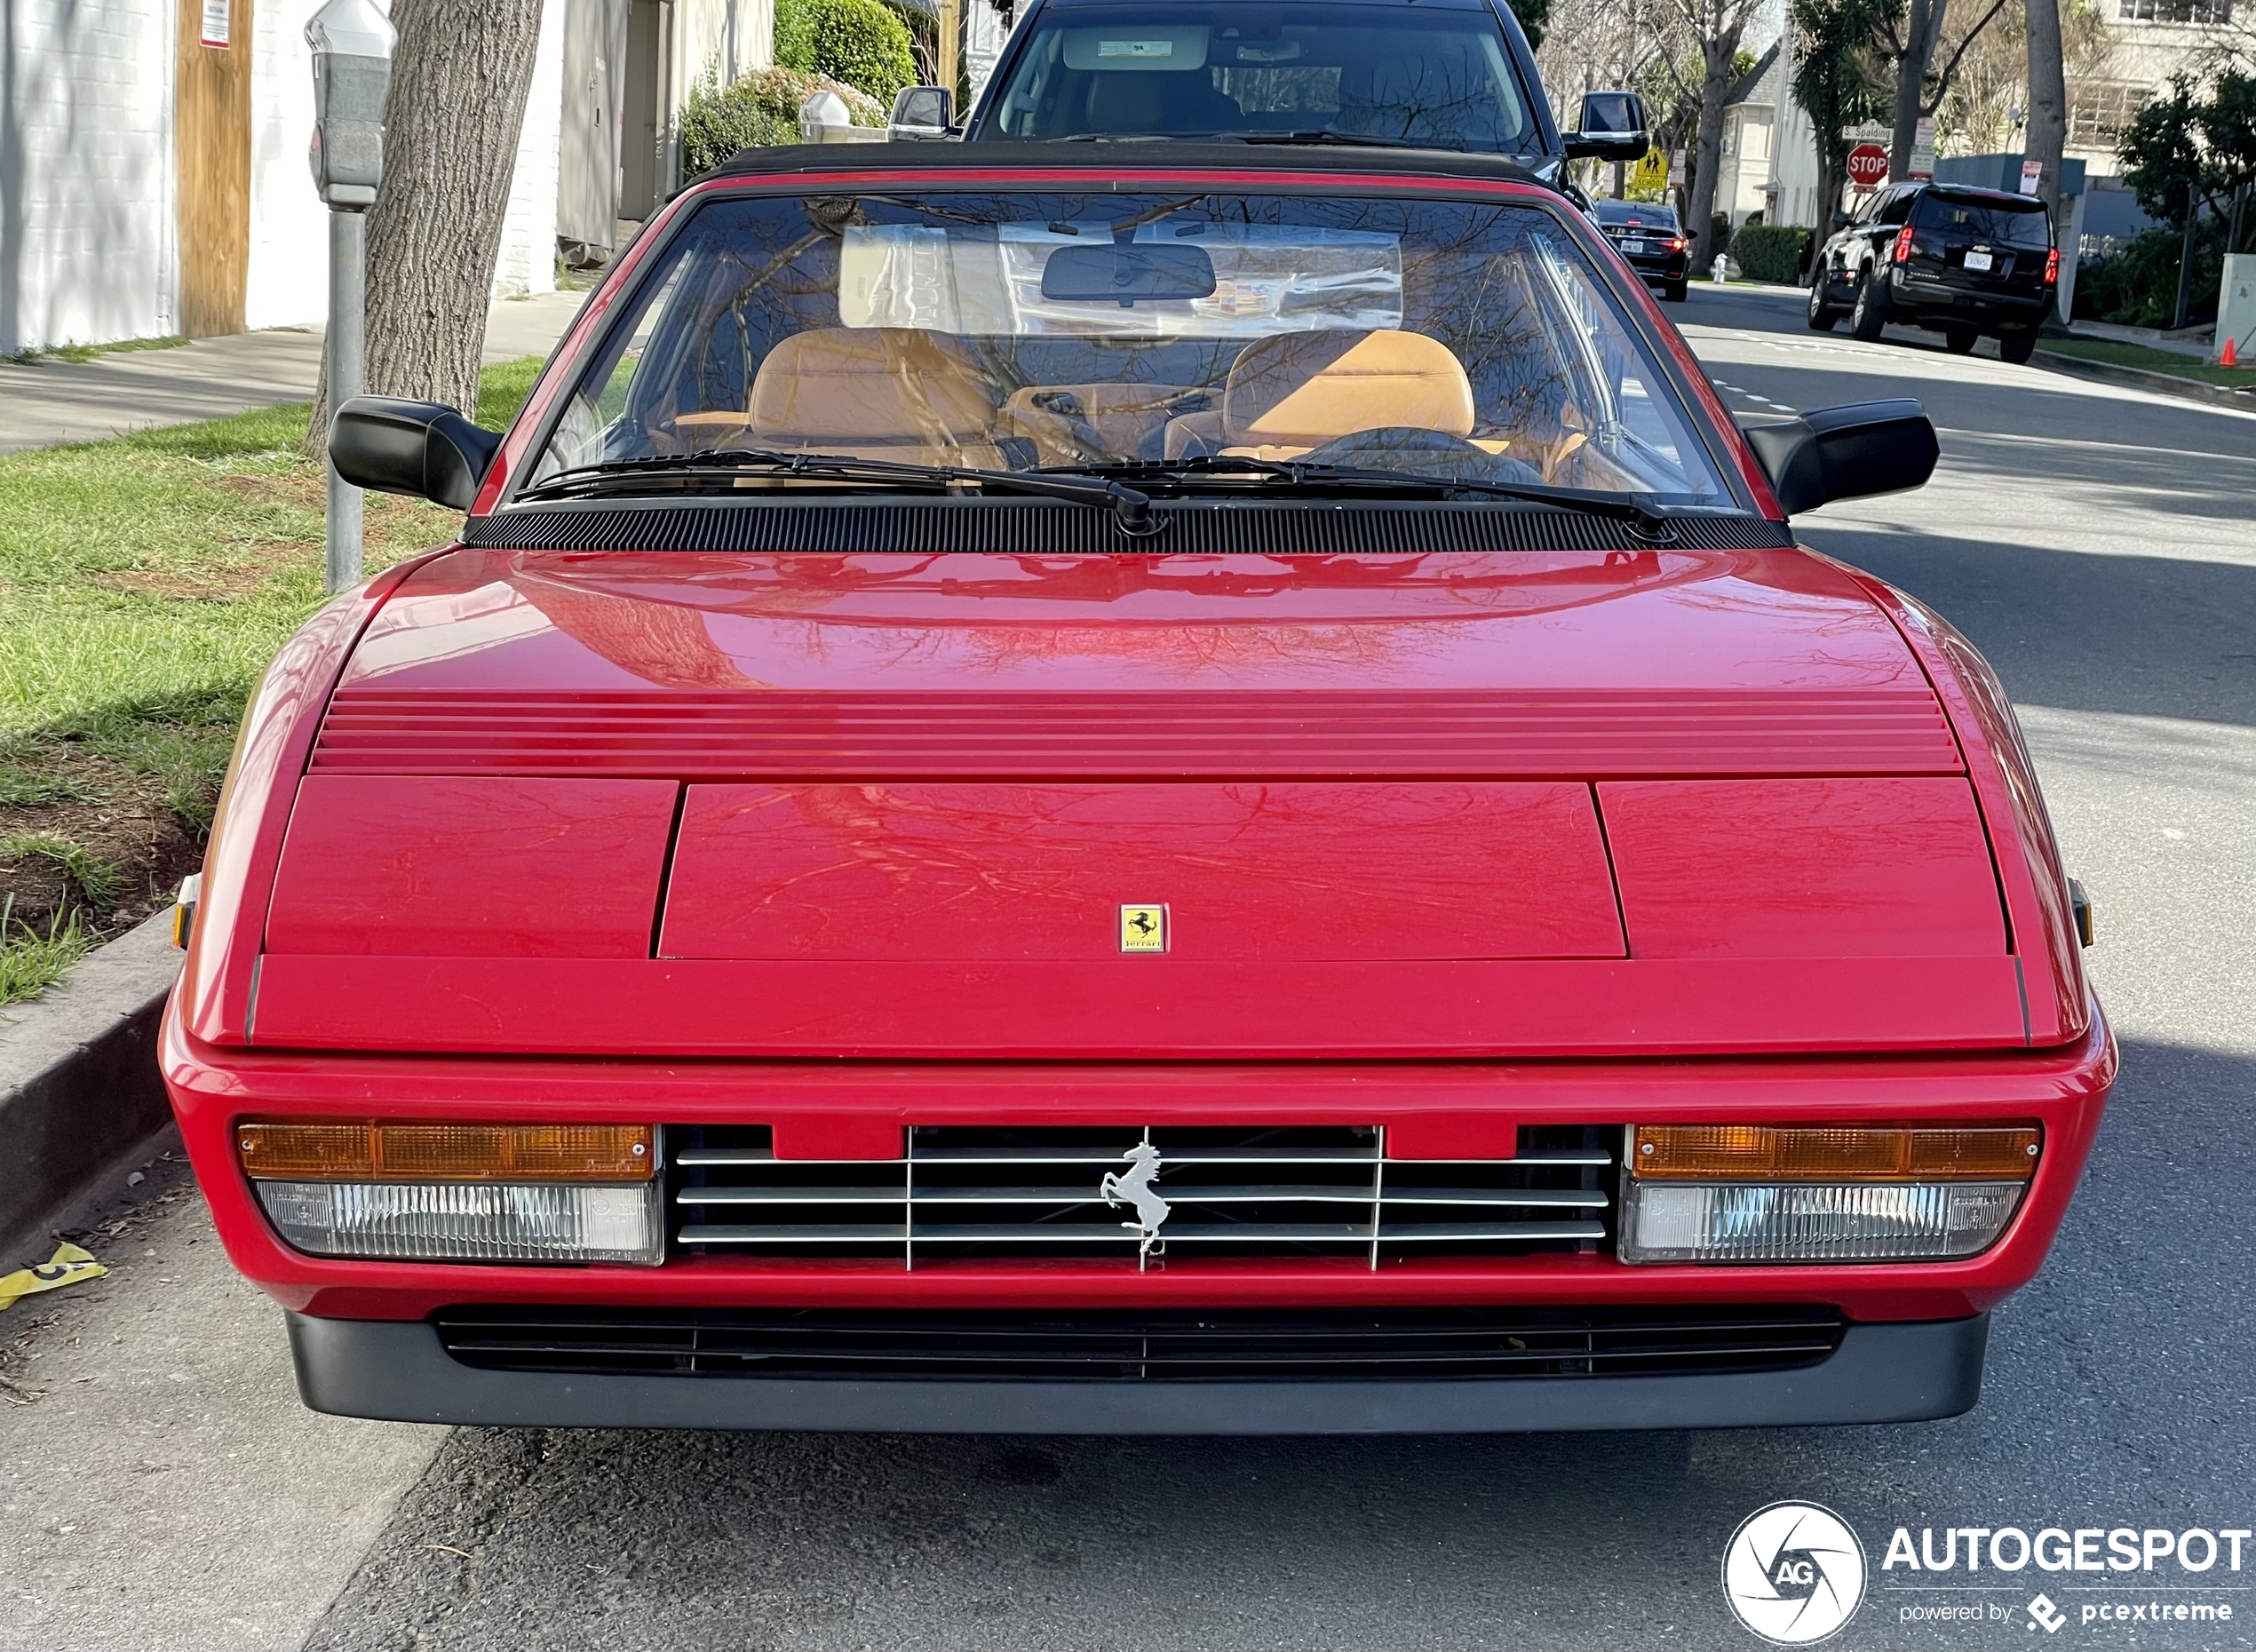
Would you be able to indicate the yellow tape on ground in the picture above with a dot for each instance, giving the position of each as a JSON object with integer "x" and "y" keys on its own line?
{"x": 69, "y": 1265}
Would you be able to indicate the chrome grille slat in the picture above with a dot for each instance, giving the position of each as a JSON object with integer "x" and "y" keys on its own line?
{"x": 1311, "y": 1193}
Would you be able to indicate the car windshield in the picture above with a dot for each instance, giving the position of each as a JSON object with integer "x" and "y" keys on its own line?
{"x": 1436, "y": 77}
{"x": 1982, "y": 218}
{"x": 1078, "y": 330}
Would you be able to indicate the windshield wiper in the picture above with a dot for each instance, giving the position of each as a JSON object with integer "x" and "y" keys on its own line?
{"x": 1130, "y": 510}
{"x": 1326, "y": 135}
{"x": 1651, "y": 525}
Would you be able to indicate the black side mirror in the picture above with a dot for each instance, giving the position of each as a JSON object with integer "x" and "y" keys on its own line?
{"x": 419, "y": 448}
{"x": 1613, "y": 129}
{"x": 921, "y": 114}
{"x": 1840, "y": 220}
{"x": 1845, "y": 453}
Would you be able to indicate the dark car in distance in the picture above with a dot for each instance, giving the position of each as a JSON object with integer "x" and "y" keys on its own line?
{"x": 1952, "y": 260}
{"x": 1435, "y": 74}
{"x": 1651, "y": 241}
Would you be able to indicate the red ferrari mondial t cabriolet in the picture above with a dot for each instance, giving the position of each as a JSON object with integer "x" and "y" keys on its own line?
{"x": 1106, "y": 789}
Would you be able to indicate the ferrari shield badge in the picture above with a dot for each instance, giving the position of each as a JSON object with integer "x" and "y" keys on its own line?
{"x": 1143, "y": 929}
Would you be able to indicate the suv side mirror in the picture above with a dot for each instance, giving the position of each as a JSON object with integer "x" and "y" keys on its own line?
{"x": 419, "y": 448}
{"x": 1840, "y": 220}
{"x": 1847, "y": 452}
{"x": 1613, "y": 129}
{"x": 922, "y": 113}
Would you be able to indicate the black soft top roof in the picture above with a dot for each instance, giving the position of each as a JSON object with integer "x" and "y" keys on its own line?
{"x": 1121, "y": 155}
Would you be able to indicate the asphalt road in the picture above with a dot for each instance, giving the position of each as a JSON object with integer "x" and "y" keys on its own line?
{"x": 2100, "y": 545}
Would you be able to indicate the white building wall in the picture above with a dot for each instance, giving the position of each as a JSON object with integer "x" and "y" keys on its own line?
{"x": 287, "y": 284}
{"x": 86, "y": 182}
{"x": 527, "y": 260}
{"x": 723, "y": 39}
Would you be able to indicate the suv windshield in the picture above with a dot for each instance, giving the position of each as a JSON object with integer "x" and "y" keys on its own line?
{"x": 1080, "y": 329}
{"x": 1983, "y": 219}
{"x": 1440, "y": 78}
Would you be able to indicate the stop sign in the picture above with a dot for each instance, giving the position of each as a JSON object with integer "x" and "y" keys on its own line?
{"x": 1868, "y": 166}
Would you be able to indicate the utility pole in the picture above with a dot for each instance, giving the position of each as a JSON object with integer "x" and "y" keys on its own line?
{"x": 352, "y": 42}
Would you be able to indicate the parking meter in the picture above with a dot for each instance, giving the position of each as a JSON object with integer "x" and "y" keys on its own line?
{"x": 352, "y": 42}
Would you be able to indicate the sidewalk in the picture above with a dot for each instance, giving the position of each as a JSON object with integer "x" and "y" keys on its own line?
{"x": 2194, "y": 341}
{"x": 53, "y": 402}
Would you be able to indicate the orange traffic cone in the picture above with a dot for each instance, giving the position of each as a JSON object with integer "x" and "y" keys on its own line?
{"x": 2231, "y": 357}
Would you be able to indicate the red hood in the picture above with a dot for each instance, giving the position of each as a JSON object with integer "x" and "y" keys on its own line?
{"x": 558, "y": 622}
{"x": 1378, "y": 798}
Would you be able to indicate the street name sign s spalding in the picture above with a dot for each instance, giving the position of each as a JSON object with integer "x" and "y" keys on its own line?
{"x": 1794, "y": 1573}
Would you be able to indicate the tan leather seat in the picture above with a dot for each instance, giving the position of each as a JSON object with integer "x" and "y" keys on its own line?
{"x": 890, "y": 393}
{"x": 1289, "y": 393}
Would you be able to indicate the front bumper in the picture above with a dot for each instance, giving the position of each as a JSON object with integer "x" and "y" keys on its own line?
{"x": 398, "y": 1371}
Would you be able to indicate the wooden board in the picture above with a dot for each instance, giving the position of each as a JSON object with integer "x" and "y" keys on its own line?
{"x": 211, "y": 148}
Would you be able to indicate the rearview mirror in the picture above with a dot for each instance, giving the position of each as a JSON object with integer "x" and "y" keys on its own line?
{"x": 922, "y": 113}
{"x": 1847, "y": 452}
{"x": 1122, "y": 272}
{"x": 419, "y": 448}
{"x": 1613, "y": 128}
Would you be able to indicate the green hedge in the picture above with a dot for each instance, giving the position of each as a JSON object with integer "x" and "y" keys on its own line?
{"x": 761, "y": 109}
{"x": 2138, "y": 285}
{"x": 1768, "y": 252}
{"x": 860, "y": 42}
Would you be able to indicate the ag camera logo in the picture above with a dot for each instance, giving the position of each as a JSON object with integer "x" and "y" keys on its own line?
{"x": 1794, "y": 1573}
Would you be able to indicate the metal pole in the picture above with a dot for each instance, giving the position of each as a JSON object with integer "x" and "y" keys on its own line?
{"x": 346, "y": 350}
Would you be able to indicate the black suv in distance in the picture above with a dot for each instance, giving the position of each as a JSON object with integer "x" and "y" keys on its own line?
{"x": 1955, "y": 260}
{"x": 1649, "y": 239}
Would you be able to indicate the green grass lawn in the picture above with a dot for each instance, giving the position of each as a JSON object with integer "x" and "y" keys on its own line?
{"x": 144, "y": 584}
{"x": 2122, "y": 355}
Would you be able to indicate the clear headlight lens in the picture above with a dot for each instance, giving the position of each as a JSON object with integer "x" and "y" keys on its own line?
{"x": 1813, "y": 1221}
{"x": 469, "y": 1221}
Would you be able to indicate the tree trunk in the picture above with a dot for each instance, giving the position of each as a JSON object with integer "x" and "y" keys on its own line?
{"x": 451, "y": 119}
{"x": 2047, "y": 103}
{"x": 1922, "y": 32}
{"x": 1716, "y": 53}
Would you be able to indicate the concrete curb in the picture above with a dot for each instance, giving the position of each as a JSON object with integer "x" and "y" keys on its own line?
{"x": 2139, "y": 377}
{"x": 80, "y": 1096}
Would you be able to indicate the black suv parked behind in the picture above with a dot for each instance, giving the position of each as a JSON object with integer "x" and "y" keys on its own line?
{"x": 1649, "y": 238}
{"x": 1955, "y": 260}
{"x": 1450, "y": 75}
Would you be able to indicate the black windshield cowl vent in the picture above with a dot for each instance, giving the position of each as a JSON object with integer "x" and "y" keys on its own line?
{"x": 1033, "y": 527}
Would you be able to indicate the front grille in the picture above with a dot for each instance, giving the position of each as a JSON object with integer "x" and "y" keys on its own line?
{"x": 1036, "y": 1345}
{"x": 978, "y": 1194}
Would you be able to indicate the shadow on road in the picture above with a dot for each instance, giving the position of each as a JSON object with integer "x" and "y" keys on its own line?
{"x": 2146, "y": 635}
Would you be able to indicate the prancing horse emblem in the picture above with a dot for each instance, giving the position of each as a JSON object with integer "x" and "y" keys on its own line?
{"x": 1134, "y": 1187}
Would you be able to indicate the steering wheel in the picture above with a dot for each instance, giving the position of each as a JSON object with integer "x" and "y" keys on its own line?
{"x": 1417, "y": 451}
{"x": 1388, "y": 439}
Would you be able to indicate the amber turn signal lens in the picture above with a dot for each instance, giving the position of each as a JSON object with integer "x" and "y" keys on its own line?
{"x": 1850, "y": 1153}
{"x": 328, "y": 1150}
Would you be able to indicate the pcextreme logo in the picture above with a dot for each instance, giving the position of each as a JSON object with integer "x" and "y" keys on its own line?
{"x": 1794, "y": 1573}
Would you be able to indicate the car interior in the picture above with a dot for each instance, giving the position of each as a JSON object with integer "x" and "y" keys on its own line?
{"x": 726, "y": 360}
